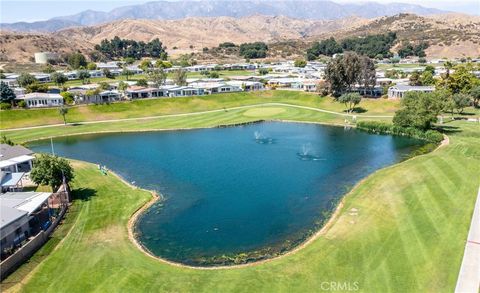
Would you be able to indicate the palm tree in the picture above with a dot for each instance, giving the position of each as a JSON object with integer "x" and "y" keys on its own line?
{"x": 63, "y": 111}
{"x": 448, "y": 65}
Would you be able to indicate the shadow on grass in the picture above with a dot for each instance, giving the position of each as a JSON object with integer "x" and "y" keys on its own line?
{"x": 83, "y": 194}
{"x": 357, "y": 110}
{"x": 448, "y": 129}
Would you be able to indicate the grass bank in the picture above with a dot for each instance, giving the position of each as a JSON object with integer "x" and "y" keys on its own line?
{"x": 402, "y": 229}
{"x": 166, "y": 106}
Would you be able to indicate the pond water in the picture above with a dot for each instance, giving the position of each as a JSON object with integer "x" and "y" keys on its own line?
{"x": 255, "y": 190}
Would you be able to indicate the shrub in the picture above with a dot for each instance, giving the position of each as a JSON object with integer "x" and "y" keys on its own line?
{"x": 384, "y": 128}
{"x": 5, "y": 106}
{"x": 22, "y": 104}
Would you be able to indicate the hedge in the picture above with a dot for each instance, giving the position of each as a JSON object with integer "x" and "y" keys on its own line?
{"x": 385, "y": 128}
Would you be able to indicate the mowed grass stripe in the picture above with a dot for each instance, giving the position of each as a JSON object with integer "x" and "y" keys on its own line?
{"x": 396, "y": 210}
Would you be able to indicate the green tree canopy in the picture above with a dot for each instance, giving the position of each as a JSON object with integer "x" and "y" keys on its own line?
{"x": 419, "y": 110}
{"x": 76, "y": 60}
{"x": 157, "y": 76}
{"x": 350, "y": 100}
{"x": 58, "y": 78}
{"x": 50, "y": 170}
{"x": 461, "y": 101}
{"x": 180, "y": 77}
{"x": 300, "y": 63}
{"x": 475, "y": 93}
{"x": 26, "y": 79}
{"x": 6, "y": 93}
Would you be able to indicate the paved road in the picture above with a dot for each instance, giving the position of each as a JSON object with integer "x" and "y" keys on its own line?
{"x": 469, "y": 276}
{"x": 200, "y": 113}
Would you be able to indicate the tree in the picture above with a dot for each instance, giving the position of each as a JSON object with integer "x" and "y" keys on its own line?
{"x": 263, "y": 71}
{"x": 327, "y": 47}
{"x": 213, "y": 74}
{"x": 253, "y": 50}
{"x": 461, "y": 102}
{"x": 415, "y": 78}
{"x": 26, "y": 79}
{"x": 6, "y": 93}
{"x": 335, "y": 76}
{"x": 352, "y": 67}
{"x": 129, "y": 60}
{"x": 460, "y": 81}
{"x": 419, "y": 110}
{"x": 76, "y": 60}
{"x": 448, "y": 66}
{"x": 122, "y": 86}
{"x": 5, "y": 140}
{"x": 91, "y": 66}
{"x": 427, "y": 78}
{"x": 300, "y": 63}
{"x": 48, "y": 69}
{"x": 58, "y": 78}
{"x": 104, "y": 85}
{"x": 108, "y": 73}
{"x": 157, "y": 76}
{"x": 36, "y": 88}
{"x": 51, "y": 170}
{"x": 350, "y": 100}
{"x": 126, "y": 72}
{"x": 180, "y": 77}
{"x": 84, "y": 76}
{"x": 63, "y": 111}
{"x": 145, "y": 65}
{"x": 394, "y": 60}
{"x": 68, "y": 97}
{"x": 475, "y": 93}
{"x": 368, "y": 75}
{"x": 142, "y": 82}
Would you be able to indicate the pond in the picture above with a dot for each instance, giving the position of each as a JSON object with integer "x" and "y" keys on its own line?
{"x": 236, "y": 194}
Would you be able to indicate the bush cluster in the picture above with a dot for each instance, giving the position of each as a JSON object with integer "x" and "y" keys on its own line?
{"x": 385, "y": 128}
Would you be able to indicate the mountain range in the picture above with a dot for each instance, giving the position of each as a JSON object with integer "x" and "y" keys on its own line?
{"x": 171, "y": 10}
{"x": 449, "y": 35}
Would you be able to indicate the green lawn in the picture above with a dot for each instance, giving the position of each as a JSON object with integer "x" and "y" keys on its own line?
{"x": 153, "y": 107}
{"x": 408, "y": 236}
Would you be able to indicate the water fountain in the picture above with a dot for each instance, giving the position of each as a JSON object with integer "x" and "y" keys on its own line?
{"x": 307, "y": 153}
{"x": 260, "y": 138}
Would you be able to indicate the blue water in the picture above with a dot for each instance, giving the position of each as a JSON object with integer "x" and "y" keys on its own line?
{"x": 238, "y": 189}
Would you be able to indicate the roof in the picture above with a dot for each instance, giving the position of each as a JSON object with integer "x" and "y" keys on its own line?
{"x": 402, "y": 87}
{"x": 16, "y": 160}
{"x": 9, "y": 215}
{"x": 11, "y": 179}
{"x": 24, "y": 201}
{"x": 42, "y": 96}
{"x": 8, "y": 152}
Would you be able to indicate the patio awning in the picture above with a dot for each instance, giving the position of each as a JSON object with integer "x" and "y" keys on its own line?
{"x": 16, "y": 160}
{"x": 11, "y": 179}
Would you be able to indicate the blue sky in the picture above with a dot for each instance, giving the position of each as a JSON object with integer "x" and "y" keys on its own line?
{"x": 33, "y": 10}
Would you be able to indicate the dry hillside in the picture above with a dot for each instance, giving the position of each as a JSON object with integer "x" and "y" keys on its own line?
{"x": 450, "y": 35}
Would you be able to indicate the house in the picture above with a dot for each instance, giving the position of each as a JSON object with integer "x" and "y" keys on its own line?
{"x": 217, "y": 87}
{"x": 246, "y": 85}
{"x": 39, "y": 100}
{"x": 23, "y": 214}
{"x": 309, "y": 85}
{"x": 398, "y": 91}
{"x": 11, "y": 82}
{"x": 15, "y": 158}
{"x": 15, "y": 162}
{"x": 139, "y": 92}
{"x": 42, "y": 77}
{"x": 183, "y": 91}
